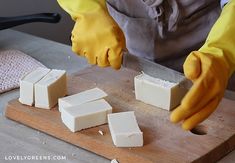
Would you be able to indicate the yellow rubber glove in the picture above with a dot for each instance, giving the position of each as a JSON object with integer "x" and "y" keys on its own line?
{"x": 95, "y": 34}
{"x": 209, "y": 69}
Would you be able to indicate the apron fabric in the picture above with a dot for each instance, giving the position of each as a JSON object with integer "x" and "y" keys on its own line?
{"x": 166, "y": 31}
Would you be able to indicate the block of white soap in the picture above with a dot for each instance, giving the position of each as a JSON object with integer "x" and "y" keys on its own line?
{"x": 124, "y": 129}
{"x": 27, "y": 85}
{"x": 50, "y": 88}
{"x": 86, "y": 115}
{"x": 158, "y": 92}
{"x": 81, "y": 98}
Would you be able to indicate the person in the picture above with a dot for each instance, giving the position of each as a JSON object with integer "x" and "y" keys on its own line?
{"x": 165, "y": 32}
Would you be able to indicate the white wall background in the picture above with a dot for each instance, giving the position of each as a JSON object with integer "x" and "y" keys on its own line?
{"x": 59, "y": 32}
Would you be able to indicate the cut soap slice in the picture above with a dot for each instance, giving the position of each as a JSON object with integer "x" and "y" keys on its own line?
{"x": 124, "y": 129}
{"x": 158, "y": 92}
{"x": 81, "y": 98}
{"x": 27, "y": 85}
{"x": 50, "y": 88}
{"x": 86, "y": 115}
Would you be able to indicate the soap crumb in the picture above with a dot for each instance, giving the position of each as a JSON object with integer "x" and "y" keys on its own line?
{"x": 44, "y": 142}
{"x": 69, "y": 57}
{"x": 114, "y": 161}
{"x": 101, "y": 132}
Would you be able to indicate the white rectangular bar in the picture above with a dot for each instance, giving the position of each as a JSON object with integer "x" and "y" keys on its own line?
{"x": 86, "y": 115}
{"x": 124, "y": 129}
{"x": 50, "y": 88}
{"x": 81, "y": 98}
{"x": 27, "y": 85}
{"x": 158, "y": 92}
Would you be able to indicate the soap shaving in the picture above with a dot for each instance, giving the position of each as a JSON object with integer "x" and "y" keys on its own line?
{"x": 158, "y": 81}
{"x": 101, "y": 132}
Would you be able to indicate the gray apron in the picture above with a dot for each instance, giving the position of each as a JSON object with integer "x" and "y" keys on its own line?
{"x": 165, "y": 31}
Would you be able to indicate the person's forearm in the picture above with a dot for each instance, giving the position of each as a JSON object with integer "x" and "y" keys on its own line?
{"x": 209, "y": 69}
{"x": 220, "y": 41}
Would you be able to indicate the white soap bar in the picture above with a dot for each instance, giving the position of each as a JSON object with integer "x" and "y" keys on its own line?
{"x": 158, "y": 92}
{"x": 81, "y": 98}
{"x": 27, "y": 85}
{"x": 86, "y": 115}
{"x": 124, "y": 129}
{"x": 50, "y": 88}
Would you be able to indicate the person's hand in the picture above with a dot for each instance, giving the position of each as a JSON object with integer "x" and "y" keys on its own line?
{"x": 209, "y": 68}
{"x": 99, "y": 39}
{"x": 95, "y": 35}
{"x": 210, "y": 75}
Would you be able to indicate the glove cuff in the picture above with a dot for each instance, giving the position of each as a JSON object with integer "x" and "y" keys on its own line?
{"x": 79, "y": 7}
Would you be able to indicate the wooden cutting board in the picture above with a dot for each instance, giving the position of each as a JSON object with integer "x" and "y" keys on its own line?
{"x": 163, "y": 141}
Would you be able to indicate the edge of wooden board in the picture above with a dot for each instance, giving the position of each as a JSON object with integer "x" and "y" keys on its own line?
{"x": 78, "y": 139}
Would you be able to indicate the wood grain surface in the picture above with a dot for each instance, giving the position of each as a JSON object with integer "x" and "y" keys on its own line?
{"x": 163, "y": 141}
